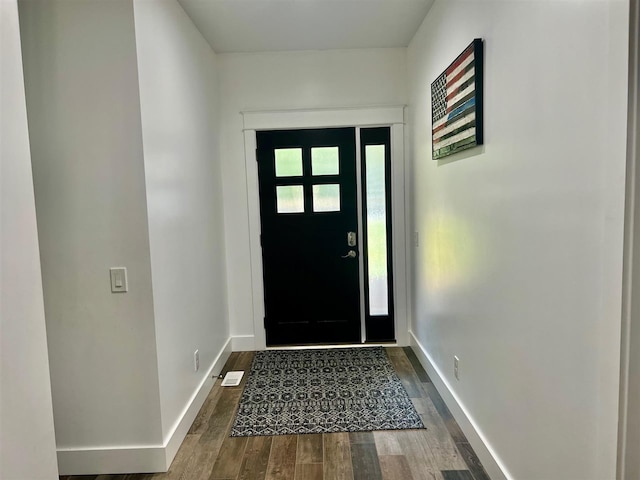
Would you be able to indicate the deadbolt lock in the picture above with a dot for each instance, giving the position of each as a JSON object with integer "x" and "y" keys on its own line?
{"x": 351, "y": 239}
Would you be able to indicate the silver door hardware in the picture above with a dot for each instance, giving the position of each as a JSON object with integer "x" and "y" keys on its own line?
{"x": 350, "y": 254}
{"x": 351, "y": 239}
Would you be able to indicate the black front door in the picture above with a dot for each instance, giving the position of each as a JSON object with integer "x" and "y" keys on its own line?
{"x": 309, "y": 221}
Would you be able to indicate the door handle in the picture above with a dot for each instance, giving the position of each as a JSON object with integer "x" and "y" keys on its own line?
{"x": 350, "y": 254}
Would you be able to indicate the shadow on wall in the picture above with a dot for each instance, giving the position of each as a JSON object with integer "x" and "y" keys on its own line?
{"x": 472, "y": 152}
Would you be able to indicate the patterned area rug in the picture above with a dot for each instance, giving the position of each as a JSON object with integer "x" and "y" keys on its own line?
{"x": 323, "y": 391}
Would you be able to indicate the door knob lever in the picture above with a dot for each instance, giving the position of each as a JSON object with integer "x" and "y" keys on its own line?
{"x": 350, "y": 254}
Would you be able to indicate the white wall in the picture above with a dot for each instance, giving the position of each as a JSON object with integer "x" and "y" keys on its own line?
{"x": 86, "y": 144}
{"x": 272, "y": 81}
{"x": 178, "y": 95}
{"x": 27, "y": 443}
{"x": 518, "y": 270}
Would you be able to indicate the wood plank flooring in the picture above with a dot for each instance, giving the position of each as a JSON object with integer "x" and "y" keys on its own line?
{"x": 441, "y": 452}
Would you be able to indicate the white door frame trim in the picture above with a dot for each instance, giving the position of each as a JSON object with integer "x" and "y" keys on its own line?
{"x": 628, "y": 462}
{"x": 392, "y": 116}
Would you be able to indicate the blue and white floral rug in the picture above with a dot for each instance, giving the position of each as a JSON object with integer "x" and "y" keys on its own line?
{"x": 292, "y": 392}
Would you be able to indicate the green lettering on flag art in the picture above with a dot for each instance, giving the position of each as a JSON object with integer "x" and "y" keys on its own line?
{"x": 455, "y": 147}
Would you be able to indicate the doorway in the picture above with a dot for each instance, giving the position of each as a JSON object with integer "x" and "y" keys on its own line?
{"x": 391, "y": 117}
{"x": 323, "y": 257}
{"x": 309, "y": 219}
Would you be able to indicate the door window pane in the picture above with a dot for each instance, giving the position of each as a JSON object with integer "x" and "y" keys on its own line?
{"x": 376, "y": 230}
{"x": 290, "y": 198}
{"x": 325, "y": 161}
{"x": 326, "y": 198}
{"x": 288, "y": 162}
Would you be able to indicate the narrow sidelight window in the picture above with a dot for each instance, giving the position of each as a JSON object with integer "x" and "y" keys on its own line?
{"x": 375, "y": 183}
{"x": 376, "y": 187}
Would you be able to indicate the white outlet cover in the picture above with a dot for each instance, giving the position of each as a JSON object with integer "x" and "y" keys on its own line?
{"x": 456, "y": 367}
{"x": 232, "y": 379}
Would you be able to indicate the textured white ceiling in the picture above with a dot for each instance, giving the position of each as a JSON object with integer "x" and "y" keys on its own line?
{"x": 276, "y": 25}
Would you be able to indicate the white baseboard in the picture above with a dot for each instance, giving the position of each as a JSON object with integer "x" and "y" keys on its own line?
{"x": 175, "y": 439}
{"x": 490, "y": 460}
{"x": 128, "y": 459}
{"x": 243, "y": 343}
{"x": 146, "y": 458}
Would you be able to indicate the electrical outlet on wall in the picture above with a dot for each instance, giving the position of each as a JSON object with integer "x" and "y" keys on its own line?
{"x": 456, "y": 367}
{"x": 196, "y": 361}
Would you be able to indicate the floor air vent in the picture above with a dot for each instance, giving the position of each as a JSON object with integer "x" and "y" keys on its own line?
{"x": 232, "y": 379}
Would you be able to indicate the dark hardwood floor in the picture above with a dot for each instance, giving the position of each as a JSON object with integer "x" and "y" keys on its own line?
{"x": 441, "y": 452}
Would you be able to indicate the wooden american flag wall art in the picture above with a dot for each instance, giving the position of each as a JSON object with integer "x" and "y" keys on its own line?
{"x": 456, "y": 104}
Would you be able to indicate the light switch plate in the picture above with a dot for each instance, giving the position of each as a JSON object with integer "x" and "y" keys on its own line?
{"x": 119, "y": 282}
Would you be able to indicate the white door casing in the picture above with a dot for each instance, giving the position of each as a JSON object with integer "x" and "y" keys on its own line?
{"x": 392, "y": 116}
